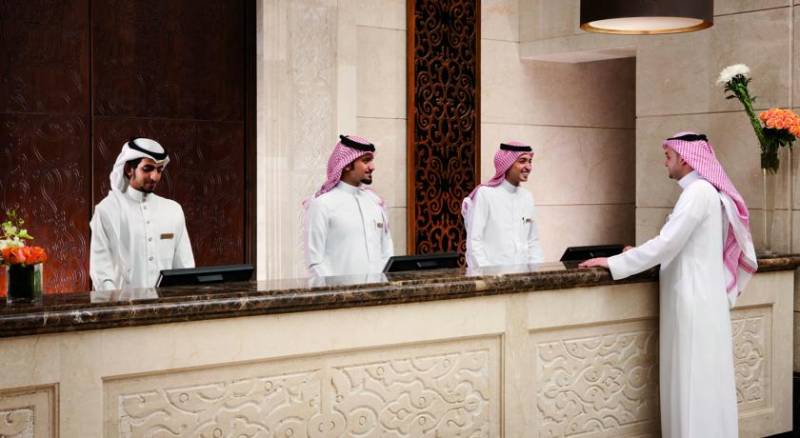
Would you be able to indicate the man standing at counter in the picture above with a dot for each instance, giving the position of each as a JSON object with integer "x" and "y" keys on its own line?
{"x": 136, "y": 233}
{"x": 706, "y": 255}
{"x": 500, "y": 215}
{"x": 347, "y": 227}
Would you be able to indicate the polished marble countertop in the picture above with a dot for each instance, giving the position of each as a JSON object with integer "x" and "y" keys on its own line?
{"x": 124, "y": 308}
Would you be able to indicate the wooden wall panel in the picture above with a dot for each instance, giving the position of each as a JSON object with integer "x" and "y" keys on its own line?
{"x": 45, "y": 175}
{"x": 79, "y": 78}
{"x": 177, "y": 59}
{"x": 45, "y": 169}
{"x": 206, "y": 163}
{"x": 44, "y": 56}
{"x": 443, "y": 120}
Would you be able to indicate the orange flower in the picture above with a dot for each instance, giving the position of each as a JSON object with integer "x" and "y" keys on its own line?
{"x": 777, "y": 118}
{"x": 24, "y": 255}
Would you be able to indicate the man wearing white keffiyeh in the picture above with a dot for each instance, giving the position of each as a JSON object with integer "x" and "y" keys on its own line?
{"x": 136, "y": 233}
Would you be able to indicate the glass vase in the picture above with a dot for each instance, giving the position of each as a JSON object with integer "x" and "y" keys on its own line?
{"x": 769, "y": 183}
{"x": 24, "y": 283}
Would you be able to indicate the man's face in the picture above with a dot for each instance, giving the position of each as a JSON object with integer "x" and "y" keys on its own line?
{"x": 146, "y": 175}
{"x": 676, "y": 167}
{"x": 520, "y": 170}
{"x": 360, "y": 170}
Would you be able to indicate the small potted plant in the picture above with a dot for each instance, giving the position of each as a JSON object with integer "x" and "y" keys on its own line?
{"x": 23, "y": 263}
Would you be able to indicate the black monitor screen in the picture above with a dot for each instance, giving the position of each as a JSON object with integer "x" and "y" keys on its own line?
{"x": 204, "y": 275}
{"x": 421, "y": 262}
{"x": 581, "y": 253}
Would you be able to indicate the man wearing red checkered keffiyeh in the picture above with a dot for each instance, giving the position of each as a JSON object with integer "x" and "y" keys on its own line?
{"x": 500, "y": 215}
{"x": 346, "y": 224}
{"x": 706, "y": 255}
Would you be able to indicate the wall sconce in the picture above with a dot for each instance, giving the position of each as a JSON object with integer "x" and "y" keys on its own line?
{"x": 646, "y": 17}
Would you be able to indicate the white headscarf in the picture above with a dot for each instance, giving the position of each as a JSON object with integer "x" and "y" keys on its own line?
{"x": 131, "y": 150}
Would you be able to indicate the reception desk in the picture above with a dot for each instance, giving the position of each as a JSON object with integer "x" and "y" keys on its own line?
{"x": 525, "y": 351}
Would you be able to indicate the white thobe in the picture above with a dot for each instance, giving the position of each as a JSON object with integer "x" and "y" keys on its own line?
{"x": 697, "y": 383}
{"x": 502, "y": 229}
{"x": 347, "y": 232}
{"x": 134, "y": 236}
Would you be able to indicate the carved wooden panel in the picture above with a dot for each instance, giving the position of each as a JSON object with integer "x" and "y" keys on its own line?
{"x": 28, "y": 413}
{"x": 442, "y": 390}
{"x": 178, "y": 59}
{"x": 205, "y": 175}
{"x": 45, "y": 175}
{"x": 44, "y": 130}
{"x": 443, "y": 120}
{"x": 606, "y": 385}
{"x": 44, "y": 56}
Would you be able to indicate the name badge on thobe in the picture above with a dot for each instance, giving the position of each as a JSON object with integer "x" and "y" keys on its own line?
{"x": 167, "y": 236}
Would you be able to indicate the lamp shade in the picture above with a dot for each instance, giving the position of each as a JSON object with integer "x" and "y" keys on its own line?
{"x": 646, "y": 16}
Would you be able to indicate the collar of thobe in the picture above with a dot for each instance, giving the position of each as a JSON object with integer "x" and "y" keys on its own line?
{"x": 136, "y": 195}
{"x": 507, "y": 186}
{"x": 347, "y": 188}
{"x": 688, "y": 179}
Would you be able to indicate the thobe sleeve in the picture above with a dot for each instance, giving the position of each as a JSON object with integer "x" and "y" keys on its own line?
{"x": 387, "y": 246}
{"x": 535, "y": 254}
{"x": 316, "y": 237}
{"x": 479, "y": 216}
{"x": 688, "y": 213}
{"x": 184, "y": 258}
{"x": 101, "y": 262}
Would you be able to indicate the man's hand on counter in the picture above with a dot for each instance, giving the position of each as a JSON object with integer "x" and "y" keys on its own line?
{"x": 598, "y": 261}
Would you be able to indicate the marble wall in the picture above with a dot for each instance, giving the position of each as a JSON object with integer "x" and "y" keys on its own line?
{"x": 675, "y": 90}
{"x": 326, "y": 67}
{"x": 579, "y": 119}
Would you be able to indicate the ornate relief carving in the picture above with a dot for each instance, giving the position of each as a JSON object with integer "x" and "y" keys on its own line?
{"x": 604, "y": 384}
{"x": 17, "y": 423}
{"x": 28, "y": 413}
{"x": 312, "y": 63}
{"x": 46, "y": 177}
{"x": 444, "y": 126}
{"x": 452, "y": 393}
{"x": 751, "y": 335}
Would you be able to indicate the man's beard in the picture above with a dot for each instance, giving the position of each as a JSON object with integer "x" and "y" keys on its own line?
{"x": 366, "y": 180}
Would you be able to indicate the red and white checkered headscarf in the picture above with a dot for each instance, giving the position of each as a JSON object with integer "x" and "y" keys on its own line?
{"x": 738, "y": 253}
{"x": 342, "y": 156}
{"x": 503, "y": 160}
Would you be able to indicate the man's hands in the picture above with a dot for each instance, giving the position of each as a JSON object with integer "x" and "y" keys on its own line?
{"x": 598, "y": 261}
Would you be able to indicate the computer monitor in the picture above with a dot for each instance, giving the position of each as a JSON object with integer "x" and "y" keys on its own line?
{"x": 581, "y": 253}
{"x": 204, "y": 275}
{"x": 421, "y": 262}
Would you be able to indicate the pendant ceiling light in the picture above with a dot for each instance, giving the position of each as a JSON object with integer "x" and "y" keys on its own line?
{"x": 646, "y": 16}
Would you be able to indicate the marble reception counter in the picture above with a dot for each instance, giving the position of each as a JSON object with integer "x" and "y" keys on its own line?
{"x": 519, "y": 351}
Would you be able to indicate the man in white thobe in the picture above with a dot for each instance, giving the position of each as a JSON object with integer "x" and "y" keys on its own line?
{"x": 136, "y": 233}
{"x": 706, "y": 255}
{"x": 500, "y": 215}
{"x": 347, "y": 228}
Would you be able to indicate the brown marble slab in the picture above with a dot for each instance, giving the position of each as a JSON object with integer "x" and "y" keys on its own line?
{"x": 126, "y": 308}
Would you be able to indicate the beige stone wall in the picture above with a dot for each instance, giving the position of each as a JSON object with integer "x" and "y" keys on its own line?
{"x": 325, "y": 67}
{"x": 579, "y": 119}
{"x": 676, "y": 90}
{"x": 577, "y": 361}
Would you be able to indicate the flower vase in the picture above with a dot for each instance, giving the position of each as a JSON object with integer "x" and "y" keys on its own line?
{"x": 769, "y": 183}
{"x": 24, "y": 283}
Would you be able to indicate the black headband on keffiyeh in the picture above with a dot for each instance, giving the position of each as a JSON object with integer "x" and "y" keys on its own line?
{"x": 515, "y": 148}
{"x": 368, "y": 147}
{"x": 158, "y": 156}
